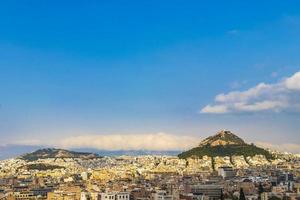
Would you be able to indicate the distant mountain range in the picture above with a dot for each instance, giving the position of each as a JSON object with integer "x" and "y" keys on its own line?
{"x": 13, "y": 151}
{"x": 222, "y": 144}
{"x": 225, "y": 143}
{"x": 84, "y": 153}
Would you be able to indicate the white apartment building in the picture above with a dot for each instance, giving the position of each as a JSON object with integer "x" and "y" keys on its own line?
{"x": 161, "y": 195}
{"x": 226, "y": 172}
{"x": 122, "y": 196}
{"x": 114, "y": 196}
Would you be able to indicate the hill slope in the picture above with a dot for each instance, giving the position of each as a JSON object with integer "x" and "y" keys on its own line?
{"x": 225, "y": 143}
{"x": 56, "y": 153}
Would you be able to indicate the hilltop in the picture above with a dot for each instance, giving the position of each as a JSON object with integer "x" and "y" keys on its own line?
{"x": 57, "y": 153}
{"x": 222, "y": 138}
{"x": 225, "y": 143}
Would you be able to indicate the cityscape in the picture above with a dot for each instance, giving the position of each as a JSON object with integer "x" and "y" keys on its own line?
{"x": 222, "y": 172}
{"x": 149, "y": 100}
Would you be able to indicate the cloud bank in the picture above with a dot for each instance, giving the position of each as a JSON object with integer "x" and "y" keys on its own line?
{"x": 286, "y": 147}
{"x": 158, "y": 141}
{"x": 114, "y": 142}
{"x": 127, "y": 142}
{"x": 281, "y": 96}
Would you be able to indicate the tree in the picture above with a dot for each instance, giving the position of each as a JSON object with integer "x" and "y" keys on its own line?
{"x": 274, "y": 198}
{"x": 260, "y": 190}
{"x": 289, "y": 186}
{"x": 242, "y": 195}
{"x": 222, "y": 195}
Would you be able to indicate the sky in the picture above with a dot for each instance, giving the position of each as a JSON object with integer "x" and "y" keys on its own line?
{"x": 154, "y": 75}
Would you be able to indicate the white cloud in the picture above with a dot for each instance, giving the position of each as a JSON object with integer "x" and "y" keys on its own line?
{"x": 154, "y": 142}
{"x": 218, "y": 109}
{"x": 293, "y": 82}
{"x": 281, "y": 96}
{"x": 259, "y": 106}
{"x": 30, "y": 142}
{"x": 286, "y": 147}
{"x": 150, "y": 142}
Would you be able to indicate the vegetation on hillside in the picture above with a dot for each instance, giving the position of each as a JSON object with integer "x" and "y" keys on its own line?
{"x": 57, "y": 153}
{"x": 225, "y": 150}
{"x": 42, "y": 167}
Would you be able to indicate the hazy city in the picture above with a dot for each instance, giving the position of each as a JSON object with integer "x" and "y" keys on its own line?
{"x": 149, "y": 100}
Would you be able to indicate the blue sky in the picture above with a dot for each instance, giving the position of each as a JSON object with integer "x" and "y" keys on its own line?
{"x": 145, "y": 68}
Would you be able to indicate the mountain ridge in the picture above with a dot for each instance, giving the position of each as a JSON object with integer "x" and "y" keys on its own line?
{"x": 222, "y": 144}
{"x": 57, "y": 153}
{"x": 223, "y": 137}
